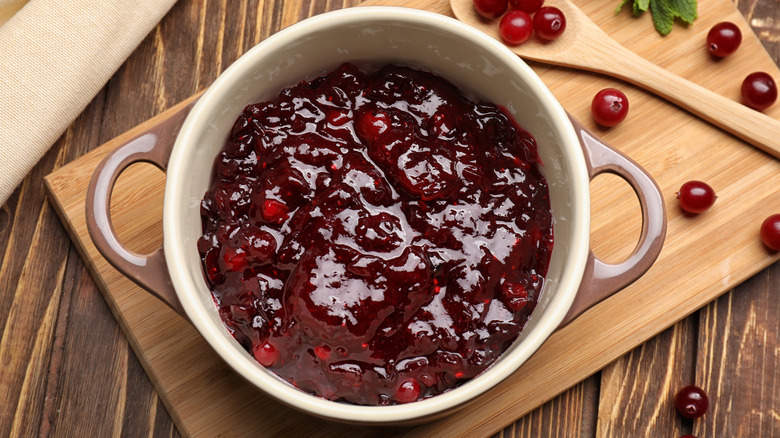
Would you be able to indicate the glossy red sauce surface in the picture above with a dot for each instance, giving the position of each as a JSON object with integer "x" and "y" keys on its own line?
{"x": 376, "y": 238}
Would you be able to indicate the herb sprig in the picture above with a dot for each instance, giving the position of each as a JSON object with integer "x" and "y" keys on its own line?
{"x": 664, "y": 12}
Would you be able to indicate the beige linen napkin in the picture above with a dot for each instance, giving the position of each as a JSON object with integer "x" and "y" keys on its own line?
{"x": 8, "y": 8}
{"x": 55, "y": 55}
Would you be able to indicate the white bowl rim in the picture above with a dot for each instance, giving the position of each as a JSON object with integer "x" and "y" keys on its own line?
{"x": 272, "y": 384}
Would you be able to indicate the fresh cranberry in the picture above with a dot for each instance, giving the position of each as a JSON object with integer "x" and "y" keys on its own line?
{"x": 376, "y": 238}
{"x": 770, "y": 232}
{"x": 516, "y": 27}
{"x": 696, "y": 197}
{"x": 759, "y": 91}
{"x": 549, "y": 23}
{"x": 609, "y": 107}
{"x": 529, "y": 6}
{"x": 724, "y": 39}
{"x": 691, "y": 402}
{"x": 490, "y": 9}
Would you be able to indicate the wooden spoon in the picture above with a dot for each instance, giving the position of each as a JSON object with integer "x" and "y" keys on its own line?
{"x": 585, "y": 46}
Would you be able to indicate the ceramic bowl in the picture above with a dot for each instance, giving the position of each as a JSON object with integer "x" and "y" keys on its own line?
{"x": 481, "y": 67}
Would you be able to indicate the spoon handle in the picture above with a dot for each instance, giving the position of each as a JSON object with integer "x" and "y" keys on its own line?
{"x": 750, "y": 125}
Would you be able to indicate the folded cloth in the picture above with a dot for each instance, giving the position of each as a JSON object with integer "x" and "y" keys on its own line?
{"x": 8, "y": 8}
{"x": 55, "y": 55}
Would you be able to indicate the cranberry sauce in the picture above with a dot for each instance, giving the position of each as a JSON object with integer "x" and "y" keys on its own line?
{"x": 376, "y": 238}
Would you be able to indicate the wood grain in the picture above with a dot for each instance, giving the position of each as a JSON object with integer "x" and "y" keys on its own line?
{"x": 79, "y": 355}
{"x": 744, "y": 386}
{"x": 569, "y": 415}
{"x": 644, "y": 407}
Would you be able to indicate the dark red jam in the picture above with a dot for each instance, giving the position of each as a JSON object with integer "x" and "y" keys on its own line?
{"x": 376, "y": 238}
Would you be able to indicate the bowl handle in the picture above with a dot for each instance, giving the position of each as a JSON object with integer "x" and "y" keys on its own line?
{"x": 152, "y": 146}
{"x": 602, "y": 279}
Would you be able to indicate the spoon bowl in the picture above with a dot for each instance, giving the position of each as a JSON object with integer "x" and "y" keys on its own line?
{"x": 569, "y": 49}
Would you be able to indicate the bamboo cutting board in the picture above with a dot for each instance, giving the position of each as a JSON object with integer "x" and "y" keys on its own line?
{"x": 703, "y": 257}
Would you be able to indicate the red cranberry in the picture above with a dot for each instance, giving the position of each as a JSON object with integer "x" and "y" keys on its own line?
{"x": 696, "y": 197}
{"x": 770, "y": 232}
{"x": 285, "y": 187}
{"x": 260, "y": 245}
{"x": 759, "y": 91}
{"x": 274, "y": 211}
{"x": 235, "y": 258}
{"x": 427, "y": 379}
{"x": 516, "y": 27}
{"x": 372, "y": 124}
{"x": 691, "y": 402}
{"x": 214, "y": 272}
{"x": 516, "y": 295}
{"x": 549, "y": 23}
{"x": 490, "y": 9}
{"x": 609, "y": 107}
{"x": 427, "y": 173}
{"x": 724, "y": 39}
{"x": 529, "y": 6}
{"x": 223, "y": 199}
{"x": 443, "y": 126}
{"x": 322, "y": 351}
{"x": 266, "y": 354}
{"x": 408, "y": 391}
{"x": 337, "y": 118}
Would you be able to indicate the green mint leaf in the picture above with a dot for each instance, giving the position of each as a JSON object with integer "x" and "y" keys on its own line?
{"x": 620, "y": 6}
{"x": 685, "y": 9}
{"x": 635, "y": 9}
{"x": 641, "y": 5}
{"x": 664, "y": 12}
{"x": 663, "y": 16}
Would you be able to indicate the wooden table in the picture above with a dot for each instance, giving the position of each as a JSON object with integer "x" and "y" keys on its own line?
{"x": 67, "y": 369}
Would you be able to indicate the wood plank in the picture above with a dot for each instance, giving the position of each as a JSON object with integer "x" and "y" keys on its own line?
{"x": 643, "y": 406}
{"x": 567, "y": 415}
{"x": 70, "y": 387}
{"x": 743, "y": 383}
{"x": 34, "y": 257}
